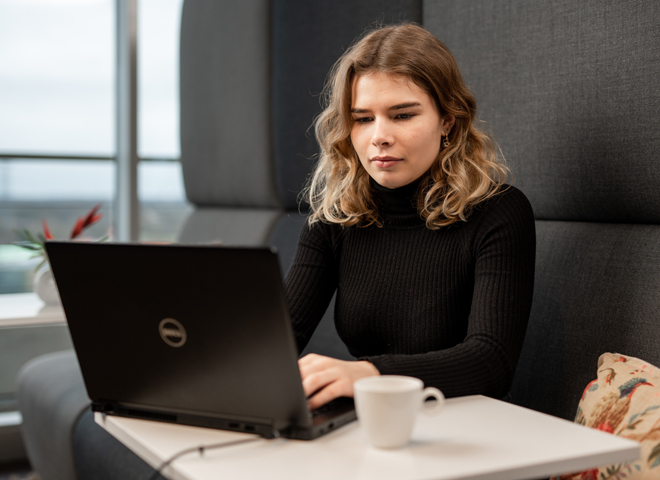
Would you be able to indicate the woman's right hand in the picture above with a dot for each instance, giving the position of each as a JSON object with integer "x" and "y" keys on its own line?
{"x": 327, "y": 378}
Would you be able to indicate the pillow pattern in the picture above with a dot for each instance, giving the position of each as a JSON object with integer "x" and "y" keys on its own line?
{"x": 624, "y": 400}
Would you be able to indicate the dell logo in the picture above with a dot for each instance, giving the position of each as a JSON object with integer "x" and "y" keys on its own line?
{"x": 172, "y": 332}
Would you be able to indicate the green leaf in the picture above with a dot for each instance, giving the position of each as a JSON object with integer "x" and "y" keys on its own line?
{"x": 19, "y": 233}
{"x": 29, "y": 246}
{"x": 30, "y": 237}
{"x": 40, "y": 264}
{"x": 655, "y": 456}
{"x": 656, "y": 463}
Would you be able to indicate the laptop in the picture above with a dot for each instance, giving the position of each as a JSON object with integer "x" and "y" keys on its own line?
{"x": 196, "y": 335}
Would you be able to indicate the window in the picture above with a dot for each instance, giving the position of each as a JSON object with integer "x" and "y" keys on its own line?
{"x": 57, "y": 127}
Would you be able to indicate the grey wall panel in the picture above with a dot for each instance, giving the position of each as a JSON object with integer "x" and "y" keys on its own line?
{"x": 229, "y": 226}
{"x": 308, "y": 37}
{"x": 596, "y": 290}
{"x": 572, "y": 93}
{"x": 225, "y": 103}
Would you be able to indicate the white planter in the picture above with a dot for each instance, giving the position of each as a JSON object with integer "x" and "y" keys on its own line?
{"x": 44, "y": 286}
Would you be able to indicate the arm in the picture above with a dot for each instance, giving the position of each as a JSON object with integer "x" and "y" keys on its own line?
{"x": 502, "y": 241}
{"x": 309, "y": 286}
{"x": 311, "y": 281}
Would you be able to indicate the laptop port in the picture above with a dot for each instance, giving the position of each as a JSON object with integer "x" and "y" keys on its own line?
{"x": 249, "y": 428}
{"x": 234, "y": 425}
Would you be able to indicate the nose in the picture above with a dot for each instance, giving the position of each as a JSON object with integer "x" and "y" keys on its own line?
{"x": 382, "y": 134}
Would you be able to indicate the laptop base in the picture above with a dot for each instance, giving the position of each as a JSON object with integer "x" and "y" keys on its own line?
{"x": 330, "y": 417}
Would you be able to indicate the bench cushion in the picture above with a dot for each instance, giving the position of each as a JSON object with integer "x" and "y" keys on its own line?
{"x": 624, "y": 400}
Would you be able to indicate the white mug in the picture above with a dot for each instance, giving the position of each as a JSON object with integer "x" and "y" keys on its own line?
{"x": 387, "y": 407}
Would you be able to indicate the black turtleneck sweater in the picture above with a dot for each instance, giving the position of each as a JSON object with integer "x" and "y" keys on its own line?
{"x": 449, "y": 306}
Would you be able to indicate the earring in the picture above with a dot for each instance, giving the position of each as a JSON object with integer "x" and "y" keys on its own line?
{"x": 446, "y": 144}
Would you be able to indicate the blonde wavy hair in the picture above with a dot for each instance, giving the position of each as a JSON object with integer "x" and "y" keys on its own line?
{"x": 465, "y": 174}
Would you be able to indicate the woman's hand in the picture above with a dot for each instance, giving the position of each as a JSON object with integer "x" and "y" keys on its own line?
{"x": 331, "y": 378}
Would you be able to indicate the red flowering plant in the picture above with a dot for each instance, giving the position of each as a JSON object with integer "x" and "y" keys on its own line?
{"x": 37, "y": 243}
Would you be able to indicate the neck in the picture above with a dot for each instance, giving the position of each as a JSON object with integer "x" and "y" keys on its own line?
{"x": 398, "y": 206}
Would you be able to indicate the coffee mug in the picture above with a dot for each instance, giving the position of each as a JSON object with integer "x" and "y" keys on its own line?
{"x": 387, "y": 407}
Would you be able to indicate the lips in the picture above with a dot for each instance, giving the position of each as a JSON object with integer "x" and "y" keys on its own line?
{"x": 385, "y": 162}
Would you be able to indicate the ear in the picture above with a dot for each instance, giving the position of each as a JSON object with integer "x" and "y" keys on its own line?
{"x": 447, "y": 123}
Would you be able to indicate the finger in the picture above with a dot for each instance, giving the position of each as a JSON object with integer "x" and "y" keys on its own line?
{"x": 316, "y": 364}
{"x": 308, "y": 370}
{"x": 317, "y": 380}
{"x": 309, "y": 359}
{"x": 329, "y": 393}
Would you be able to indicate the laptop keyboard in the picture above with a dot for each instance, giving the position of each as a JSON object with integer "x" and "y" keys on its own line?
{"x": 328, "y": 407}
{"x": 336, "y": 406}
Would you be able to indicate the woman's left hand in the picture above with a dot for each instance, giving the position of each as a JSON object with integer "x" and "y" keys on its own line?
{"x": 331, "y": 378}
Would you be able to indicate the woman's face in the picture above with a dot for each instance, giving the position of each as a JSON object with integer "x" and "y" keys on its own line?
{"x": 397, "y": 129}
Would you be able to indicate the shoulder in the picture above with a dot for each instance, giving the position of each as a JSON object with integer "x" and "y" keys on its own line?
{"x": 322, "y": 228}
{"x": 505, "y": 217}
{"x": 508, "y": 204}
{"x": 322, "y": 233}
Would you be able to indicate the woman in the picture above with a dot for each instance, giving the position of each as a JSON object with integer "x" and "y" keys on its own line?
{"x": 430, "y": 253}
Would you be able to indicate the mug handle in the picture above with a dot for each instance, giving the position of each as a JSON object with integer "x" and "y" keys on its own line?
{"x": 429, "y": 408}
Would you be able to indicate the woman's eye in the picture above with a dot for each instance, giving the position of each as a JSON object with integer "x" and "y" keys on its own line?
{"x": 404, "y": 116}
{"x": 363, "y": 120}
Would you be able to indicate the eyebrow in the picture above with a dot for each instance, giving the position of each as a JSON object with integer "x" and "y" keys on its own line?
{"x": 400, "y": 106}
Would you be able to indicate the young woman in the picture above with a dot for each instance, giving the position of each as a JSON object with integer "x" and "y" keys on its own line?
{"x": 430, "y": 252}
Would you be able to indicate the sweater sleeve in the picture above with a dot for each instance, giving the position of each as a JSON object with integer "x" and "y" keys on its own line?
{"x": 502, "y": 242}
{"x": 311, "y": 281}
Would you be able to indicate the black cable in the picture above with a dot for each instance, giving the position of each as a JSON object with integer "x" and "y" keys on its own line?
{"x": 202, "y": 448}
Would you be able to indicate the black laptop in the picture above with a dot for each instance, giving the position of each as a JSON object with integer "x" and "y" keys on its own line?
{"x": 197, "y": 335}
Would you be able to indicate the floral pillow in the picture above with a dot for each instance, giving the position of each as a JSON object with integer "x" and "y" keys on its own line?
{"x": 624, "y": 400}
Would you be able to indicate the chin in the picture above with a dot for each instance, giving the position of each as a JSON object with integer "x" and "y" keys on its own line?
{"x": 387, "y": 184}
{"x": 391, "y": 182}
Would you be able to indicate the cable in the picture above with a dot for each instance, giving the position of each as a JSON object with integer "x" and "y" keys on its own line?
{"x": 202, "y": 448}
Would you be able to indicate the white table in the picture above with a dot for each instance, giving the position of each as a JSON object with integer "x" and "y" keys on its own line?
{"x": 473, "y": 438}
{"x": 28, "y": 328}
{"x": 21, "y": 309}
